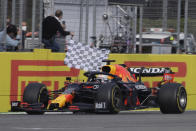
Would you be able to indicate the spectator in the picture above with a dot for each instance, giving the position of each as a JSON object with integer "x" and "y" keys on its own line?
{"x": 63, "y": 25}
{"x": 10, "y": 40}
{"x": 24, "y": 26}
{"x": 52, "y": 25}
{"x": 8, "y": 22}
{"x": 24, "y": 32}
{"x": 27, "y": 33}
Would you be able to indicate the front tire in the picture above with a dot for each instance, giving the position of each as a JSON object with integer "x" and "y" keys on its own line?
{"x": 172, "y": 98}
{"x": 36, "y": 93}
{"x": 111, "y": 94}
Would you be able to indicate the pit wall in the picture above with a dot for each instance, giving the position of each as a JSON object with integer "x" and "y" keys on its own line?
{"x": 19, "y": 69}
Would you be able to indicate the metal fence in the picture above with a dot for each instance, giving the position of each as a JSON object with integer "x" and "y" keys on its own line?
{"x": 116, "y": 26}
{"x": 17, "y": 12}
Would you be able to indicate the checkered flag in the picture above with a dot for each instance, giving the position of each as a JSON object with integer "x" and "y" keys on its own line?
{"x": 84, "y": 57}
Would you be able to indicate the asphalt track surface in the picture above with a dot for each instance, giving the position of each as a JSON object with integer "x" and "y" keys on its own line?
{"x": 125, "y": 121}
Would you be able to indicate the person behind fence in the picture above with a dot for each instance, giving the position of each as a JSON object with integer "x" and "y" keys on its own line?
{"x": 10, "y": 39}
{"x": 50, "y": 26}
{"x": 24, "y": 32}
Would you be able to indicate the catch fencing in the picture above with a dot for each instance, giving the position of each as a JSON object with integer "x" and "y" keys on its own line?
{"x": 114, "y": 25}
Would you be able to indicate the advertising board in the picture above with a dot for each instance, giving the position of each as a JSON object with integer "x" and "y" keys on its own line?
{"x": 19, "y": 69}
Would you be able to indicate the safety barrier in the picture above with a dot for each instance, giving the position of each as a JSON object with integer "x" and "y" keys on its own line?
{"x": 18, "y": 69}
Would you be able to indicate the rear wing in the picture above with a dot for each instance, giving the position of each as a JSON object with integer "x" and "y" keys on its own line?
{"x": 149, "y": 72}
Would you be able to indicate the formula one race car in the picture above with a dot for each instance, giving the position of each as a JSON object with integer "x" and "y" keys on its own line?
{"x": 115, "y": 88}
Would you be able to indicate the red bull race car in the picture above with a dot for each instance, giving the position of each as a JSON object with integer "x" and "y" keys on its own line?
{"x": 113, "y": 89}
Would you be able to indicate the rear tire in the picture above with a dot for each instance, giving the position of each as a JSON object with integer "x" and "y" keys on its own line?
{"x": 172, "y": 98}
{"x": 111, "y": 94}
{"x": 36, "y": 93}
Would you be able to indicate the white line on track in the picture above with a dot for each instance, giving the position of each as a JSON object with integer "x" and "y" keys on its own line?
{"x": 70, "y": 128}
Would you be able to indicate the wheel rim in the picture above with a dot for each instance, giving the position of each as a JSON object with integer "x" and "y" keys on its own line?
{"x": 117, "y": 98}
{"x": 44, "y": 97}
{"x": 182, "y": 98}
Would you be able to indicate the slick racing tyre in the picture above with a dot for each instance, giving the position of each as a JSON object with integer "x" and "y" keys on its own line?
{"x": 172, "y": 98}
{"x": 111, "y": 94}
{"x": 36, "y": 93}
